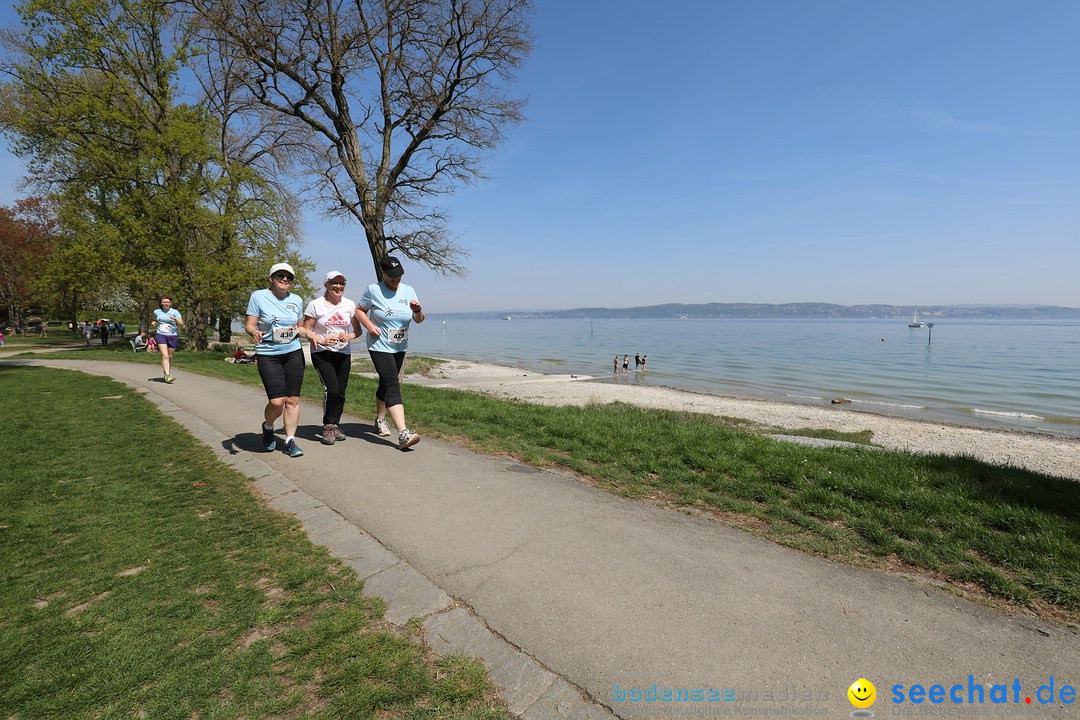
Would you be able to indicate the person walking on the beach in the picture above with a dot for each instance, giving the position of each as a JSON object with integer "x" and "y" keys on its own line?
{"x": 332, "y": 319}
{"x": 274, "y": 316}
{"x": 168, "y": 321}
{"x": 385, "y": 310}
{"x": 625, "y": 363}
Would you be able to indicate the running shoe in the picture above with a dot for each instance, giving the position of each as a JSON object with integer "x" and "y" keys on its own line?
{"x": 292, "y": 449}
{"x": 406, "y": 439}
{"x": 338, "y": 434}
{"x": 328, "y": 437}
{"x": 269, "y": 441}
{"x": 382, "y": 428}
{"x": 170, "y": 379}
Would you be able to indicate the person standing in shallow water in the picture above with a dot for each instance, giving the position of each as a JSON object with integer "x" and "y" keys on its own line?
{"x": 625, "y": 363}
{"x": 386, "y": 310}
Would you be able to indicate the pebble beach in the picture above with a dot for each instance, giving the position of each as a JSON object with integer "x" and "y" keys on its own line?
{"x": 1041, "y": 453}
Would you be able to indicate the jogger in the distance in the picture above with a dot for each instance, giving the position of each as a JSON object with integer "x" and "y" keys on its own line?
{"x": 168, "y": 322}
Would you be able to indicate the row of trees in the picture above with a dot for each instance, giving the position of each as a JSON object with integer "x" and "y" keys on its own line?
{"x": 168, "y": 135}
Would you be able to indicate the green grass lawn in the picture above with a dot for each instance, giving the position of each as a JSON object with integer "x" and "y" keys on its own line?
{"x": 141, "y": 578}
{"x": 1006, "y": 533}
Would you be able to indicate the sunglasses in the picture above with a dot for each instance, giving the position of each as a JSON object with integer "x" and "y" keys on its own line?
{"x": 282, "y": 276}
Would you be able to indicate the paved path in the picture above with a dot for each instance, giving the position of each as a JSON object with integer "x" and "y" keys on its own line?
{"x": 604, "y": 595}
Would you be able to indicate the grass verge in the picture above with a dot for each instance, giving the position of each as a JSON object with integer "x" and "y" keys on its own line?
{"x": 999, "y": 532}
{"x": 167, "y": 590}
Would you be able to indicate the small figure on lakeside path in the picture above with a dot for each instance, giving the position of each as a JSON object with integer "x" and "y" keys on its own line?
{"x": 168, "y": 321}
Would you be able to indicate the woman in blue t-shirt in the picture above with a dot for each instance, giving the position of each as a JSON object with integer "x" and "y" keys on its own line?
{"x": 167, "y": 320}
{"x": 385, "y": 310}
{"x": 274, "y": 318}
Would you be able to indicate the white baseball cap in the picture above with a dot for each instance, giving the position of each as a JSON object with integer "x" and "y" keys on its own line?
{"x": 283, "y": 266}
{"x": 335, "y": 274}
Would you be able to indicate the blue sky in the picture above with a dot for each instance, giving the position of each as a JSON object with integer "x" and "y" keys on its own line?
{"x": 917, "y": 152}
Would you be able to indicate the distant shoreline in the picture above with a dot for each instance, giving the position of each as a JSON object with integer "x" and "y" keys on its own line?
{"x": 790, "y": 311}
{"x": 1047, "y": 454}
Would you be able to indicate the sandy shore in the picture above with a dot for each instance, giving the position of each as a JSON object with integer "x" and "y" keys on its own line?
{"x": 1053, "y": 456}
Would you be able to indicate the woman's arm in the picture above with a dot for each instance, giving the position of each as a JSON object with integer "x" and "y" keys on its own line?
{"x": 251, "y": 327}
{"x": 309, "y": 328}
{"x": 361, "y": 316}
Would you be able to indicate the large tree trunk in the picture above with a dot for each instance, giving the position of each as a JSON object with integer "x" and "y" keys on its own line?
{"x": 224, "y": 328}
{"x": 195, "y": 325}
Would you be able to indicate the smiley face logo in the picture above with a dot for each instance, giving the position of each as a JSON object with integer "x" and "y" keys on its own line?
{"x": 862, "y": 693}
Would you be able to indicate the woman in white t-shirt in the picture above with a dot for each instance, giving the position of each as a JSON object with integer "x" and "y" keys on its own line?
{"x": 331, "y": 320}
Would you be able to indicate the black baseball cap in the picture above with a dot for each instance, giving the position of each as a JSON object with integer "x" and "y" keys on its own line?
{"x": 391, "y": 266}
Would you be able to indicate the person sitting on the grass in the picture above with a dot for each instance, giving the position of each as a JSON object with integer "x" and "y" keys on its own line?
{"x": 242, "y": 357}
{"x": 151, "y": 344}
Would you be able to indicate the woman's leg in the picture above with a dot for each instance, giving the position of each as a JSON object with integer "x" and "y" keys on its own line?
{"x": 328, "y": 376}
{"x": 388, "y": 396}
{"x": 291, "y": 415}
{"x": 294, "y": 379}
{"x": 272, "y": 411}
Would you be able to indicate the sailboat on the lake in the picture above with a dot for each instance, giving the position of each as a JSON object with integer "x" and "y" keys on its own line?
{"x": 915, "y": 321}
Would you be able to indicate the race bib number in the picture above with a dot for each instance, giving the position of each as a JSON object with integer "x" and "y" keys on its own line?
{"x": 397, "y": 335}
{"x": 166, "y": 329}
{"x": 285, "y": 334}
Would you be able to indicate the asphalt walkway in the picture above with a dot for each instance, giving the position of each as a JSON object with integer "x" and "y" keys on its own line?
{"x": 579, "y": 601}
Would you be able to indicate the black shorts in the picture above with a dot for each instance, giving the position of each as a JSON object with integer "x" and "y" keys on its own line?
{"x": 282, "y": 375}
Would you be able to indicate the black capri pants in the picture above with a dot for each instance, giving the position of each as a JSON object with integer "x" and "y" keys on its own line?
{"x": 388, "y": 365}
{"x": 282, "y": 375}
{"x": 333, "y": 369}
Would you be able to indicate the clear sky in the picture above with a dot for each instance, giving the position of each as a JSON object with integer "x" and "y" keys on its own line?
{"x": 911, "y": 152}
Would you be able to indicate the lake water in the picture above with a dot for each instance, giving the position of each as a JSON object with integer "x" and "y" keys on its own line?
{"x": 1000, "y": 374}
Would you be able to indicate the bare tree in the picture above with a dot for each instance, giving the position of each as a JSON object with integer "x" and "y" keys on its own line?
{"x": 402, "y": 99}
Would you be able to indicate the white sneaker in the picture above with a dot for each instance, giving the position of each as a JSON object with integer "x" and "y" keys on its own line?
{"x": 406, "y": 439}
{"x": 382, "y": 428}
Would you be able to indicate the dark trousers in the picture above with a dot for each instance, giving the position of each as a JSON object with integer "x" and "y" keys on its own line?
{"x": 333, "y": 369}
{"x": 388, "y": 365}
